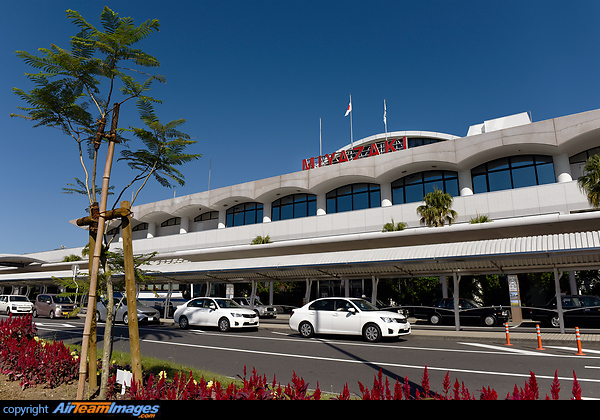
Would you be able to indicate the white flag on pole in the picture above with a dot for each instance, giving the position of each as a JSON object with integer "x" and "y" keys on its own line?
{"x": 384, "y": 113}
{"x": 349, "y": 110}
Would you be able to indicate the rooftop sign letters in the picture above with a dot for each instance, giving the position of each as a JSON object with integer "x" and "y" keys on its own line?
{"x": 355, "y": 153}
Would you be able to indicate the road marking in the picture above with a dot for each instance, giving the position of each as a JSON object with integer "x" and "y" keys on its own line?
{"x": 40, "y": 324}
{"x": 362, "y": 362}
{"x": 535, "y": 353}
{"x": 574, "y": 349}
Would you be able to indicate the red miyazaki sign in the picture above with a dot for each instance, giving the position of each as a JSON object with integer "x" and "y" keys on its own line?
{"x": 355, "y": 153}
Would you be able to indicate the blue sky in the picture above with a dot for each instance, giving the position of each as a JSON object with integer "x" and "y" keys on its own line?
{"x": 252, "y": 79}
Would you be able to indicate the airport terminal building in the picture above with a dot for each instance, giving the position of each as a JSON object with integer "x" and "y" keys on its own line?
{"x": 325, "y": 220}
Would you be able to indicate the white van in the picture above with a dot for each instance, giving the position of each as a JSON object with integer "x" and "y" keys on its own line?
{"x": 15, "y": 304}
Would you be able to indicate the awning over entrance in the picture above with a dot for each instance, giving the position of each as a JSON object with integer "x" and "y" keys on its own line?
{"x": 573, "y": 251}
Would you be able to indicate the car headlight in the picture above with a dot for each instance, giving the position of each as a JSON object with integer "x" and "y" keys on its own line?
{"x": 236, "y": 315}
{"x": 387, "y": 319}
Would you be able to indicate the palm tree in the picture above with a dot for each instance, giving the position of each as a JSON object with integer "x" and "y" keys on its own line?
{"x": 393, "y": 227}
{"x": 436, "y": 211}
{"x": 589, "y": 182}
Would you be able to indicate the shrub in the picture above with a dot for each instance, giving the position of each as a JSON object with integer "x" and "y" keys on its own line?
{"x": 24, "y": 357}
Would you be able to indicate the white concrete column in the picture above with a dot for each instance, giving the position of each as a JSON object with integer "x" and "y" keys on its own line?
{"x": 559, "y": 300}
{"x": 465, "y": 183}
{"x": 386, "y": 194}
{"x": 444, "y": 283}
{"x": 184, "y": 226}
{"x": 321, "y": 204}
{"x": 562, "y": 168}
{"x": 267, "y": 212}
{"x": 151, "y": 230}
{"x": 374, "y": 284}
{"x": 222, "y": 219}
{"x": 456, "y": 302}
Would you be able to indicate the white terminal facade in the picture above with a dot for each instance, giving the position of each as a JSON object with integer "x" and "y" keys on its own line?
{"x": 325, "y": 221}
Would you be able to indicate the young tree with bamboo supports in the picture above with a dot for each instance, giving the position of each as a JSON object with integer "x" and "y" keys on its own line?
{"x": 77, "y": 90}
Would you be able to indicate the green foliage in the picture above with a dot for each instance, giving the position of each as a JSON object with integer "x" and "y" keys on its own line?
{"x": 261, "y": 240}
{"x": 589, "y": 182}
{"x": 480, "y": 218}
{"x": 75, "y": 89}
{"x": 393, "y": 227}
{"x": 437, "y": 209}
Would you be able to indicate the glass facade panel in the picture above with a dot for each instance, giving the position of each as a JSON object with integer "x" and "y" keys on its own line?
{"x": 244, "y": 214}
{"x": 513, "y": 172}
{"x": 353, "y": 197}
{"x": 499, "y": 180}
{"x": 294, "y": 206}
{"x": 412, "y": 188}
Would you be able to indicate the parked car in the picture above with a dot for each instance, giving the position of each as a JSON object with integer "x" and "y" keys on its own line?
{"x": 442, "y": 310}
{"x": 215, "y": 312}
{"x": 261, "y": 309}
{"x": 15, "y": 304}
{"x": 144, "y": 313}
{"x": 52, "y": 305}
{"x": 352, "y": 316}
{"x": 578, "y": 310}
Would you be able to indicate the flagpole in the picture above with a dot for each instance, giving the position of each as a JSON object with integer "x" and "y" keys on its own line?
{"x": 351, "y": 133}
{"x": 385, "y": 118}
{"x": 349, "y": 111}
{"x": 320, "y": 142}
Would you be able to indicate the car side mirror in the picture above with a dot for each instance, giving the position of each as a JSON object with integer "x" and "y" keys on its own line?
{"x": 351, "y": 310}
{"x": 212, "y": 307}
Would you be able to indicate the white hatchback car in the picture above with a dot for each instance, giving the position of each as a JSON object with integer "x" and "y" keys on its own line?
{"x": 15, "y": 304}
{"x": 215, "y": 312}
{"x": 347, "y": 316}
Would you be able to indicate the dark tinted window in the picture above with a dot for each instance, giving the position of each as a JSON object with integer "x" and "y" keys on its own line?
{"x": 513, "y": 172}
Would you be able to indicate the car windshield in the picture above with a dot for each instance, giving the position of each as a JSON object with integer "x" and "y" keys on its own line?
{"x": 18, "y": 299}
{"x": 227, "y": 303}
{"x": 363, "y": 305}
{"x": 590, "y": 300}
{"x": 62, "y": 299}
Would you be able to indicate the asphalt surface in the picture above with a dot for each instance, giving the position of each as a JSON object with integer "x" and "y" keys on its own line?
{"x": 448, "y": 332}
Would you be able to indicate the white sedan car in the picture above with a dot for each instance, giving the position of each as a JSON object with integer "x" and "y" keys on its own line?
{"x": 347, "y": 316}
{"x": 215, "y": 312}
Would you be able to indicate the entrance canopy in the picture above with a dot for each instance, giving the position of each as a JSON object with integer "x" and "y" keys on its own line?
{"x": 563, "y": 242}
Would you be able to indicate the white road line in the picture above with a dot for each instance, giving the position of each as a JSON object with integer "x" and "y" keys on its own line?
{"x": 536, "y": 352}
{"x": 362, "y": 362}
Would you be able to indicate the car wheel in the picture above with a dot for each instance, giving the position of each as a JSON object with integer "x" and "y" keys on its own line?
{"x": 183, "y": 323}
{"x": 125, "y": 319}
{"x": 306, "y": 330}
{"x": 555, "y": 321}
{"x": 51, "y": 315}
{"x": 224, "y": 325}
{"x": 435, "y": 319}
{"x": 372, "y": 333}
{"x": 489, "y": 321}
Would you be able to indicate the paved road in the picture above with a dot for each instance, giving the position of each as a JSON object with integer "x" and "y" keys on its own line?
{"x": 474, "y": 356}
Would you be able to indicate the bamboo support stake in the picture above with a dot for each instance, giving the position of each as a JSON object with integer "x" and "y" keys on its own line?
{"x": 91, "y": 309}
{"x": 134, "y": 333}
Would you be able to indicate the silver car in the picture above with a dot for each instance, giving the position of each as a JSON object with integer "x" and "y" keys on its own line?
{"x": 261, "y": 309}
{"x": 144, "y": 313}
